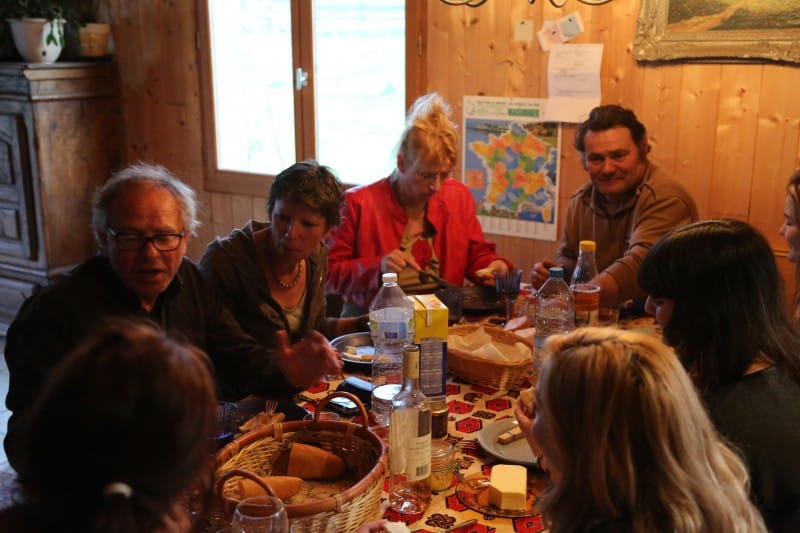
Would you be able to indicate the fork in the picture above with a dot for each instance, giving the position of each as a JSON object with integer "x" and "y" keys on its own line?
{"x": 270, "y": 406}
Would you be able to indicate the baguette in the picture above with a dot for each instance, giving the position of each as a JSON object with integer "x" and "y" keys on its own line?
{"x": 284, "y": 486}
{"x": 310, "y": 462}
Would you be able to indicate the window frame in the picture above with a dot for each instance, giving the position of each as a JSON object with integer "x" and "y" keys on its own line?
{"x": 255, "y": 184}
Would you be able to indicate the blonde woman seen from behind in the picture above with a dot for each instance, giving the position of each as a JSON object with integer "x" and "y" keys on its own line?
{"x": 628, "y": 443}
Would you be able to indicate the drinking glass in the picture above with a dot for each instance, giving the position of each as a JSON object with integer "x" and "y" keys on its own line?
{"x": 225, "y": 423}
{"x": 507, "y": 286}
{"x": 260, "y": 514}
{"x": 453, "y": 299}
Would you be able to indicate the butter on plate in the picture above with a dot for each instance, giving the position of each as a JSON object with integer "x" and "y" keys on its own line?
{"x": 508, "y": 487}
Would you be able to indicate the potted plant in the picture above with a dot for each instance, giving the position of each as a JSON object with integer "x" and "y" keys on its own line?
{"x": 87, "y": 36}
{"x": 37, "y": 27}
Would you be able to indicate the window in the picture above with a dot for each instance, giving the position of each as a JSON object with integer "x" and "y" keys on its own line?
{"x": 284, "y": 80}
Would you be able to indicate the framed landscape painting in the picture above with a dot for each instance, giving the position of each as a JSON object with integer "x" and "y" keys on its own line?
{"x": 726, "y": 30}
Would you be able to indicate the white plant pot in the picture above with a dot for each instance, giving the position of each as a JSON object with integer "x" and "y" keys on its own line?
{"x": 30, "y": 38}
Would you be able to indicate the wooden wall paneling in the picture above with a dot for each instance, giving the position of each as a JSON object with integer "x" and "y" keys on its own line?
{"x": 735, "y": 141}
{"x": 777, "y": 135}
{"x": 221, "y": 214}
{"x": 526, "y": 81}
{"x": 613, "y": 25}
{"x": 659, "y": 112}
{"x": 205, "y": 233}
{"x": 260, "y": 209}
{"x": 444, "y": 40}
{"x": 501, "y": 38}
{"x": 698, "y": 119}
{"x": 487, "y": 72}
{"x": 241, "y": 210}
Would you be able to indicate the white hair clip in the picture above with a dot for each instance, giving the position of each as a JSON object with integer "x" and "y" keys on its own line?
{"x": 122, "y": 489}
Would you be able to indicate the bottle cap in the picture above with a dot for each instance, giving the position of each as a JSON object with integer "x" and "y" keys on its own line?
{"x": 587, "y": 246}
{"x": 556, "y": 272}
{"x": 389, "y": 277}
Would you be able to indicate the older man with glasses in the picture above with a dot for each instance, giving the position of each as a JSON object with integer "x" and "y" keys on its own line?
{"x": 143, "y": 218}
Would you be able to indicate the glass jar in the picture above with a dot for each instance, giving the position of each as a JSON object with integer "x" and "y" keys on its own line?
{"x": 443, "y": 465}
{"x": 439, "y": 415}
{"x": 382, "y": 402}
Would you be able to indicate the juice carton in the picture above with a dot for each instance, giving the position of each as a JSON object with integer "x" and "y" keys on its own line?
{"x": 430, "y": 333}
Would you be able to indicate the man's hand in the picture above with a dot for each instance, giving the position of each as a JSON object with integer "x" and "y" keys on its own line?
{"x": 486, "y": 275}
{"x": 308, "y": 361}
{"x": 540, "y": 273}
{"x": 397, "y": 260}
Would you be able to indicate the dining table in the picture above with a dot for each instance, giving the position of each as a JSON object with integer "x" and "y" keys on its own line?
{"x": 476, "y": 414}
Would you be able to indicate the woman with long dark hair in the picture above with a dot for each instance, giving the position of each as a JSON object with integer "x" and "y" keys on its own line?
{"x": 715, "y": 289}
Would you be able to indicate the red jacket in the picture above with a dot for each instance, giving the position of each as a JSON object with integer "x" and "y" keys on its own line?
{"x": 372, "y": 226}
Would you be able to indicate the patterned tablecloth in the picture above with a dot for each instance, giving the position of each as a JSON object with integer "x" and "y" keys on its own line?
{"x": 471, "y": 409}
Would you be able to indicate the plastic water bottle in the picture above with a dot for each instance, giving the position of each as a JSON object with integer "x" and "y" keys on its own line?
{"x": 585, "y": 291}
{"x": 555, "y": 311}
{"x": 391, "y": 326}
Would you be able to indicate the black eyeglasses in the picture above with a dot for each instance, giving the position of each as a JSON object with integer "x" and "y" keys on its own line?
{"x": 133, "y": 242}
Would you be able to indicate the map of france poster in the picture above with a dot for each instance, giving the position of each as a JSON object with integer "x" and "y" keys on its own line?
{"x": 511, "y": 165}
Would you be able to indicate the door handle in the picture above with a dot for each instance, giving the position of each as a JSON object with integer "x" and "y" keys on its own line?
{"x": 300, "y": 79}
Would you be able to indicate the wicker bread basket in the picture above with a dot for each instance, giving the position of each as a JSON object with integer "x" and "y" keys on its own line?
{"x": 501, "y": 375}
{"x": 250, "y": 455}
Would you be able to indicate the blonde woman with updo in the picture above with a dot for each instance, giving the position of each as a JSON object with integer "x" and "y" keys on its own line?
{"x": 417, "y": 220}
{"x": 617, "y": 422}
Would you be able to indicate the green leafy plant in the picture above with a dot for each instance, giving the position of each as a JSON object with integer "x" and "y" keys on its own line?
{"x": 66, "y": 10}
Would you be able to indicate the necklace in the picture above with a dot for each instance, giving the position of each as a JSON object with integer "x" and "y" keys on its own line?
{"x": 294, "y": 281}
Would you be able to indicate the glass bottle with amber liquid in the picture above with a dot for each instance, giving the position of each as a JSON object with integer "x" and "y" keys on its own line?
{"x": 585, "y": 291}
{"x": 410, "y": 441}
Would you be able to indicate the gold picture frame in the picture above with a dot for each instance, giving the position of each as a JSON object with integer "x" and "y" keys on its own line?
{"x": 657, "y": 40}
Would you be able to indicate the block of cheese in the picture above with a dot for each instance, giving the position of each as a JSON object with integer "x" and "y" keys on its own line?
{"x": 510, "y": 436}
{"x": 508, "y": 486}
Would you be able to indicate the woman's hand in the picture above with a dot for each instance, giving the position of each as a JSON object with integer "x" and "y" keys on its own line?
{"x": 308, "y": 361}
{"x": 486, "y": 275}
{"x": 525, "y": 415}
{"x": 375, "y": 526}
{"x": 397, "y": 260}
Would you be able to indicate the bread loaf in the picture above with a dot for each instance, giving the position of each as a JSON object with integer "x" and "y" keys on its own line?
{"x": 310, "y": 462}
{"x": 527, "y": 398}
{"x": 284, "y": 487}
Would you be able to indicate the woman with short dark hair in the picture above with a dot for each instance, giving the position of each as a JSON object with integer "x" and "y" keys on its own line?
{"x": 272, "y": 274}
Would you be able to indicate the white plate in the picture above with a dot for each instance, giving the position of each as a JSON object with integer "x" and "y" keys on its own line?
{"x": 361, "y": 341}
{"x": 517, "y": 452}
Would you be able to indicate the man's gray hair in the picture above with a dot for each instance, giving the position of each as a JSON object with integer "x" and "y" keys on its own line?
{"x": 155, "y": 175}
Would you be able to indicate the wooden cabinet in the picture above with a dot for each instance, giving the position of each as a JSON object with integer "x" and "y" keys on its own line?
{"x": 59, "y": 140}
